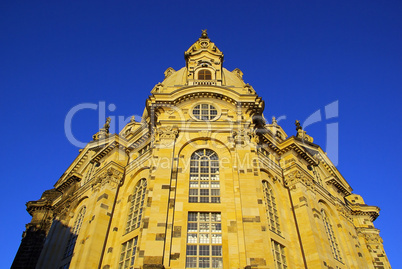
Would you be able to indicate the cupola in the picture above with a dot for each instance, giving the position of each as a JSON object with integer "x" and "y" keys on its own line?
{"x": 204, "y": 62}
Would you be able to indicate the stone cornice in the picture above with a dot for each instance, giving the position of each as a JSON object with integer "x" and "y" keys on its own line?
{"x": 140, "y": 141}
{"x": 132, "y": 132}
{"x": 33, "y": 206}
{"x": 289, "y": 144}
{"x": 251, "y": 101}
{"x": 358, "y": 210}
{"x": 311, "y": 153}
{"x": 100, "y": 147}
{"x": 70, "y": 179}
{"x": 76, "y": 164}
{"x": 108, "y": 148}
{"x": 338, "y": 184}
{"x": 337, "y": 180}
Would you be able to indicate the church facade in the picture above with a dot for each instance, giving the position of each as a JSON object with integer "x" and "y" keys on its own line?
{"x": 202, "y": 181}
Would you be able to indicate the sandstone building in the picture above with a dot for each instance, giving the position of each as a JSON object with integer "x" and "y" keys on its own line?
{"x": 202, "y": 181}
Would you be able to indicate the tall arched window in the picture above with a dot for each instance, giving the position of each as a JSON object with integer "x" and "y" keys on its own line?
{"x": 136, "y": 206}
{"x": 331, "y": 236}
{"x": 270, "y": 208}
{"x": 74, "y": 233}
{"x": 204, "y": 177}
{"x": 204, "y": 75}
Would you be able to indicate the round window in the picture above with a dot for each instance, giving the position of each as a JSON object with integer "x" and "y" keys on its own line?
{"x": 205, "y": 112}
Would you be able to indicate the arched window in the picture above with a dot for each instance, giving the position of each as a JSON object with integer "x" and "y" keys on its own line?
{"x": 270, "y": 208}
{"x": 74, "y": 233}
{"x": 331, "y": 236}
{"x": 136, "y": 206}
{"x": 204, "y": 177}
{"x": 204, "y": 74}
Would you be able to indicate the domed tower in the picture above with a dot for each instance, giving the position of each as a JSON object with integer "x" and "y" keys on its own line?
{"x": 203, "y": 181}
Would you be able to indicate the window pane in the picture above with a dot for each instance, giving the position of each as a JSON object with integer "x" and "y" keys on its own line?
{"x": 217, "y": 263}
{"x": 204, "y": 262}
{"x": 191, "y": 262}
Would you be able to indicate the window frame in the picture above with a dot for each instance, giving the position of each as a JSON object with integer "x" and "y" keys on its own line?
{"x": 137, "y": 204}
{"x": 200, "y": 112}
{"x": 271, "y": 209}
{"x": 204, "y": 240}
{"x": 204, "y": 73}
{"x": 204, "y": 180}
{"x": 279, "y": 253}
{"x": 128, "y": 254}
{"x": 333, "y": 242}
{"x": 74, "y": 232}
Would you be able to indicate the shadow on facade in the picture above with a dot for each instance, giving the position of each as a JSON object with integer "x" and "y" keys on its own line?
{"x": 45, "y": 248}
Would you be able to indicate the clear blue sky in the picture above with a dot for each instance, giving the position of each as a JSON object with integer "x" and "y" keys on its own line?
{"x": 298, "y": 55}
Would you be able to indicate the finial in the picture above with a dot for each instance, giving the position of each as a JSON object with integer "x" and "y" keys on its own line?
{"x": 204, "y": 33}
{"x": 274, "y": 122}
{"x": 298, "y": 126}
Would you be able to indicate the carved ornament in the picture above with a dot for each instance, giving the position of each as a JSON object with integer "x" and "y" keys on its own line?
{"x": 296, "y": 177}
{"x": 344, "y": 211}
{"x": 110, "y": 177}
{"x": 372, "y": 238}
{"x": 249, "y": 89}
{"x": 168, "y": 132}
{"x": 244, "y": 136}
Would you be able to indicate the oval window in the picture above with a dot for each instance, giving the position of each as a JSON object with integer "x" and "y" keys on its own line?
{"x": 205, "y": 112}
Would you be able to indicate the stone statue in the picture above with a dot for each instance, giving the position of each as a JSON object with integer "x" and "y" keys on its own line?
{"x": 107, "y": 125}
{"x": 298, "y": 126}
{"x": 274, "y": 122}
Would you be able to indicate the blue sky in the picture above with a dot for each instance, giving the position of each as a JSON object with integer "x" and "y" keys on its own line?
{"x": 299, "y": 56}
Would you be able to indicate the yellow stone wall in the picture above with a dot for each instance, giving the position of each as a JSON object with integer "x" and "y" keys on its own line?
{"x": 303, "y": 180}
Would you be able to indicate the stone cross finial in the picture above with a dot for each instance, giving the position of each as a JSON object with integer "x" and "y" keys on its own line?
{"x": 204, "y": 33}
